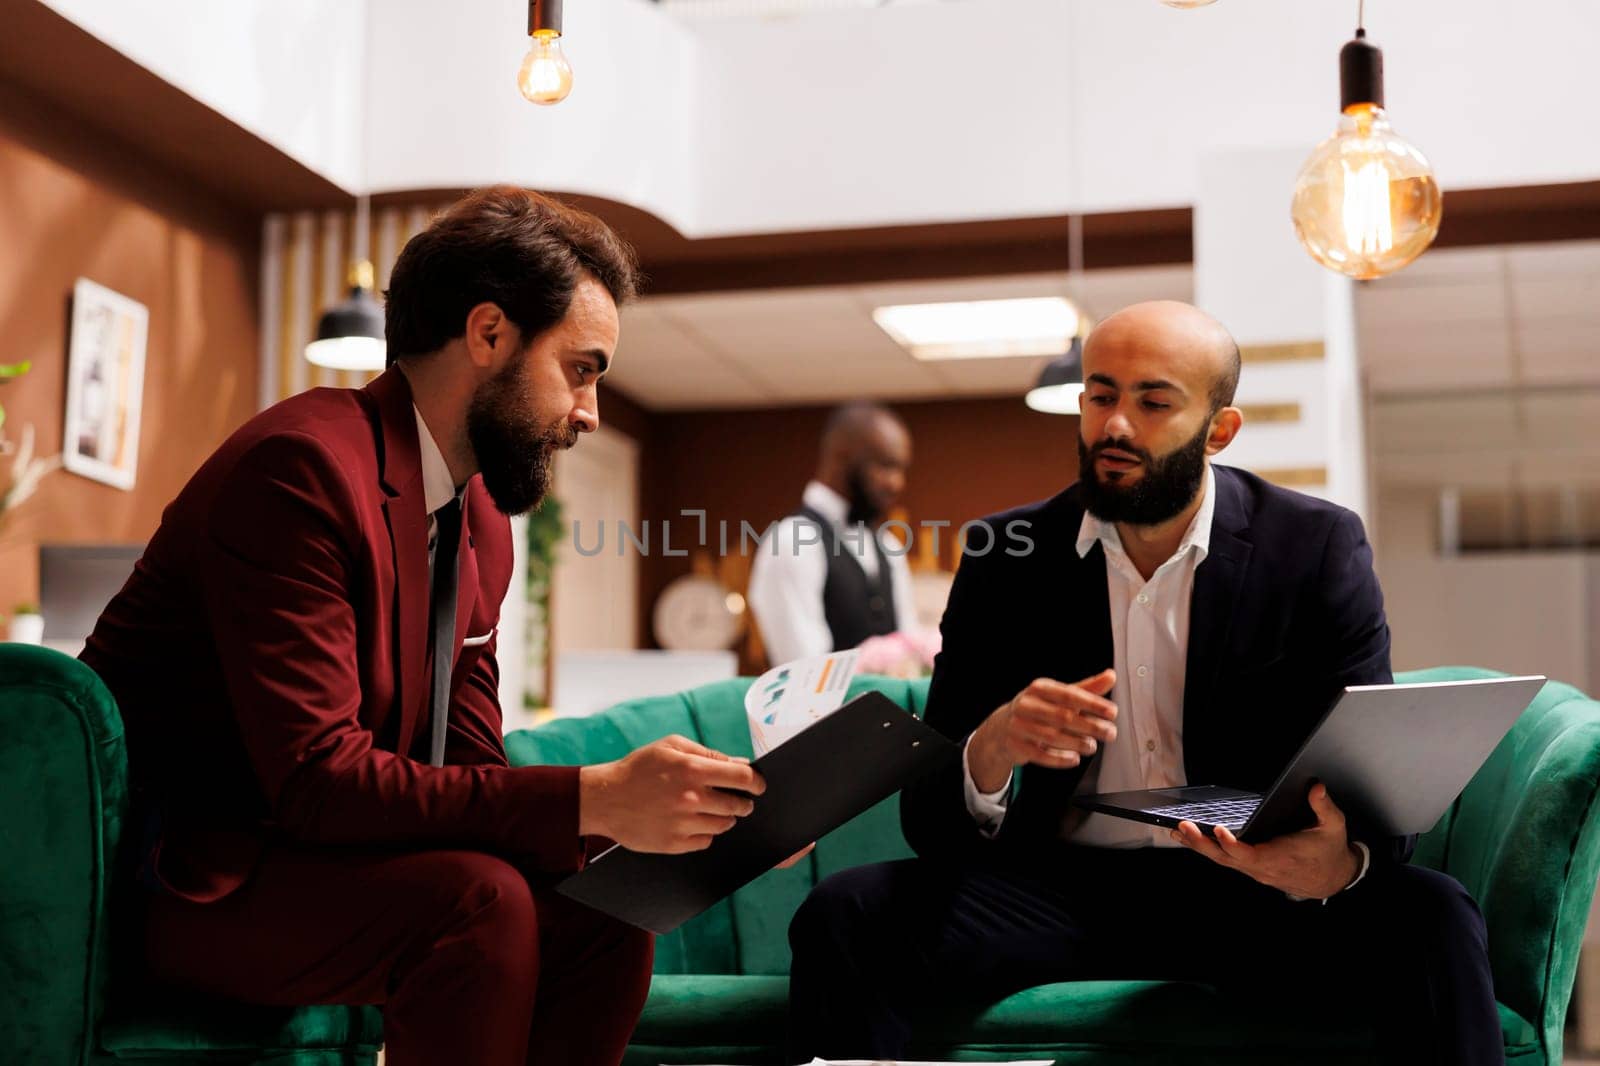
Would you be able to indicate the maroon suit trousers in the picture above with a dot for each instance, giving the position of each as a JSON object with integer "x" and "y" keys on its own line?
{"x": 470, "y": 964}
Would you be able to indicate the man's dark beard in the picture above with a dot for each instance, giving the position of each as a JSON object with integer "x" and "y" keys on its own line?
{"x": 512, "y": 449}
{"x": 862, "y": 507}
{"x": 1169, "y": 484}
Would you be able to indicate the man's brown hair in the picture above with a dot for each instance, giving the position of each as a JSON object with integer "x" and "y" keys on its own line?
{"x": 504, "y": 245}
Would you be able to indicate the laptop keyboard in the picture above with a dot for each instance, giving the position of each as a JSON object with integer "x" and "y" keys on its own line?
{"x": 1231, "y": 813}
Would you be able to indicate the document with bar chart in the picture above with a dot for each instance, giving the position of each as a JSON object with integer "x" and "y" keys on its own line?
{"x": 791, "y": 698}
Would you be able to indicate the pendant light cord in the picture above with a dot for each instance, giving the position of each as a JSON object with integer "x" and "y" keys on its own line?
{"x": 363, "y": 228}
{"x": 1074, "y": 175}
{"x": 1075, "y": 259}
{"x": 1361, "y": 18}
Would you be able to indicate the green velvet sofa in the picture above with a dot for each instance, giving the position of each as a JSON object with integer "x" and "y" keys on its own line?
{"x": 1523, "y": 838}
{"x": 63, "y": 798}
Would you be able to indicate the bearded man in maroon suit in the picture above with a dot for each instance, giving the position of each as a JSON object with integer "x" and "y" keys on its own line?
{"x": 305, "y": 660}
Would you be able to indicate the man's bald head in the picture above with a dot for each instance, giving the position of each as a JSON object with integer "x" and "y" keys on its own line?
{"x": 1158, "y": 380}
{"x": 1187, "y": 335}
{"x": 849, "y": 425}
{"x": 866, "y": 451}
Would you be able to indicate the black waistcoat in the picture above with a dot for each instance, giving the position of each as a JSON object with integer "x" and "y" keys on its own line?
{"x": 856, "y": 606}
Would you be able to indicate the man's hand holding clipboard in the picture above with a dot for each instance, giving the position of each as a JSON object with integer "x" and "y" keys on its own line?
{"x": 821, "y": 767}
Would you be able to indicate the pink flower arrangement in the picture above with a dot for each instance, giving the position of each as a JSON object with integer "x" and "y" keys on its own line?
{"x": 907, "y": 654}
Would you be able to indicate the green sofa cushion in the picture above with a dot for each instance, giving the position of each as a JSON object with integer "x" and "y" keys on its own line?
{"x": 199, "y": 1029}
{"x": 1119, "y": 1014}
{"x": 686, "y": 1010}
{"x": 744, "y": 1018}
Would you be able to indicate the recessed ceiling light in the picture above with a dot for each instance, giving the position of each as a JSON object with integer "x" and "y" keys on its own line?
{"x": 981, "y": 329}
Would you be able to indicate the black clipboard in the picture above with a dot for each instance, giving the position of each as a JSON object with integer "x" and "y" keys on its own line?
{"x": 817, "y": 780}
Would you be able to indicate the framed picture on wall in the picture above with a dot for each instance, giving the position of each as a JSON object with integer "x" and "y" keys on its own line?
{"x": 105, "y": 384}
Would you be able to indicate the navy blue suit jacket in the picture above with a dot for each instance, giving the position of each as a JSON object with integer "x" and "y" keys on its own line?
{"x": 1286, "y": 611}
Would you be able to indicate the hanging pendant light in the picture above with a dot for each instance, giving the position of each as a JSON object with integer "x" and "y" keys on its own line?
{"x": 350, "y": 333}
{"x": 545, "y": 76}
{"x": 1061, "y": 381}
{"x": 1060, "y": 386}
{"x": 1187, "y": 4}
{"x": 1365, "y": 202}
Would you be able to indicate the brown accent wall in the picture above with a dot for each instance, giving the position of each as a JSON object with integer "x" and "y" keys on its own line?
{"x": 76, "y": 202}
{"x": 970, "y": 458}
{"x": 618, "y": 411}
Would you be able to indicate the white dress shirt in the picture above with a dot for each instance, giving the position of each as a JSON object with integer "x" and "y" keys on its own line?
{"x": 438, "y": 487}
{"x": 1150, "y": 641}
{"x": 788, "y": 575}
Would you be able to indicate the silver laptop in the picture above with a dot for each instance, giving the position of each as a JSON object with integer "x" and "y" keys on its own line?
{"x": 1394, "y": 757}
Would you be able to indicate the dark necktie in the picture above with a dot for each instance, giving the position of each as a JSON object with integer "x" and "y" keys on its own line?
{"x": 448, "y": 518}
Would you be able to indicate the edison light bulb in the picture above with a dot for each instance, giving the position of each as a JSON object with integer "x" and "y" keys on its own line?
{"x": 1366, "y": 202}
{"x": 546, "y": 76}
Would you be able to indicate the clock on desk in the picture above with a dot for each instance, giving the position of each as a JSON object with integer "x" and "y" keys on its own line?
{"x": 696, "y": 612}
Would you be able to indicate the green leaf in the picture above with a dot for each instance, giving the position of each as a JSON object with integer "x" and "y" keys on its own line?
{"x": 15, "y": 370}
{"x": 545, "y": 531}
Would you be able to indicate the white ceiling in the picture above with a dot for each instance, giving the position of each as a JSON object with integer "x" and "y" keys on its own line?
{"x": 1457, "y": 319}
{"x": 1544, "y": 439}
{"x": 693, "y": 9}
{"x": 1480, "y": 318}
{"x": 1484, "y": 367}
{"x": 785, "y": 347}
{"x": 1483, "y": 364}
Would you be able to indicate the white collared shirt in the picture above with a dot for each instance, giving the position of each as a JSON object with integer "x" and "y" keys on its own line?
{"x": 788, "y": 574}
{"x": 1150, "y": 641}
{"x": 438, "y": 487}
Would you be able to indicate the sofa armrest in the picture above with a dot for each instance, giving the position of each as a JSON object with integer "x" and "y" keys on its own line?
{"x": 63, "y": 796}
{"x": 1524, "y": 839}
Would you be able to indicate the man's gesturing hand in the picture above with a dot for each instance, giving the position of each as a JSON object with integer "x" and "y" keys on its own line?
{"x": 666, "y": 797}
{"x": 1049, "y": 723}
{"x": 1314, "y": 863}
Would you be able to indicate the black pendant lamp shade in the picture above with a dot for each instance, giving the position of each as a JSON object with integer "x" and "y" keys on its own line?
{"x": 1060, "y": 383}
{"x": 357, "y": 316}
{"x": 1360, "y": 73}
{"x": 350, "y": 333}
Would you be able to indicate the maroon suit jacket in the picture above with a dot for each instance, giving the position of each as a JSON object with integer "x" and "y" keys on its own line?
{"x": 271, "y": 658}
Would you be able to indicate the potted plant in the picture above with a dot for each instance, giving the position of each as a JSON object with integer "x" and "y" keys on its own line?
{"x": 545, "y": 533}
{"x": 7, "y": 372}
{"x": 27, "y": 624}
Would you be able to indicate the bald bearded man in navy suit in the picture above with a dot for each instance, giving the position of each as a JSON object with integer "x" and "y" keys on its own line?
{"x": 1172, "y": 621}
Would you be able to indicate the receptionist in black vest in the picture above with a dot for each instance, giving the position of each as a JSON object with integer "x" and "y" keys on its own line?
{"x": 828, "y": 576}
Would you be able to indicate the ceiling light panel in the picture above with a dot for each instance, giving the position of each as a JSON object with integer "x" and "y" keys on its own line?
{"x": 981, "y": 329}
